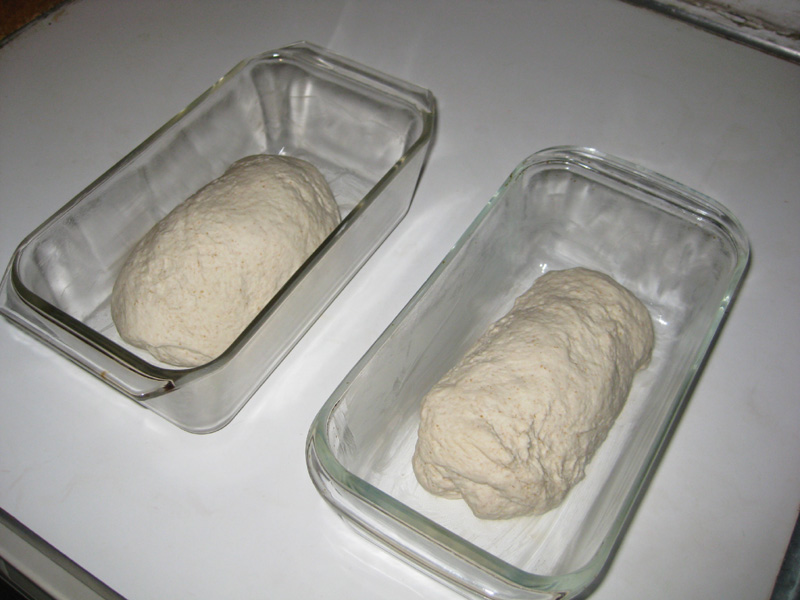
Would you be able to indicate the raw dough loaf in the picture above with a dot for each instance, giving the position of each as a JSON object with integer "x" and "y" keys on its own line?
{"x": 202, "y": 273}
{"x": 512, "y": 426}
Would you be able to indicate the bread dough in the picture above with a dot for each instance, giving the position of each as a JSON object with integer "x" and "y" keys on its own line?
{"x": 201, "y": 274}
{"x": 512, "y": 426}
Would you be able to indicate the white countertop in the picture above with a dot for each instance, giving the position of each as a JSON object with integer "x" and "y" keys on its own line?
{"x": 155, "y": 512}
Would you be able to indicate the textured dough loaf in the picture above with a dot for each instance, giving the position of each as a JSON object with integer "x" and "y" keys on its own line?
{"x": 201, "y": 274}
{"x": 512, "y": 426}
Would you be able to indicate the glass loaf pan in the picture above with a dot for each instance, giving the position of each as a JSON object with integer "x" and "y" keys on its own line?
{"x": 367, "y": 132}
{"x": 681, "y": 253}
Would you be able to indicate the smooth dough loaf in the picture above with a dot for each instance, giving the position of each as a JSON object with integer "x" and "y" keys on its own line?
{"x": 201, "y": 274}
{"x": 512, "y": 426}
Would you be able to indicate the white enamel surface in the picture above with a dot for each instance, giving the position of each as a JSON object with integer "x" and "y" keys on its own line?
{"x": 155, "y": 512}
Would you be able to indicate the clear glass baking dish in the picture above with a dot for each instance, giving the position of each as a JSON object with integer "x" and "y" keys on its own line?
{"x": 681, "y": 253}
{"x": 367, "y": 132}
